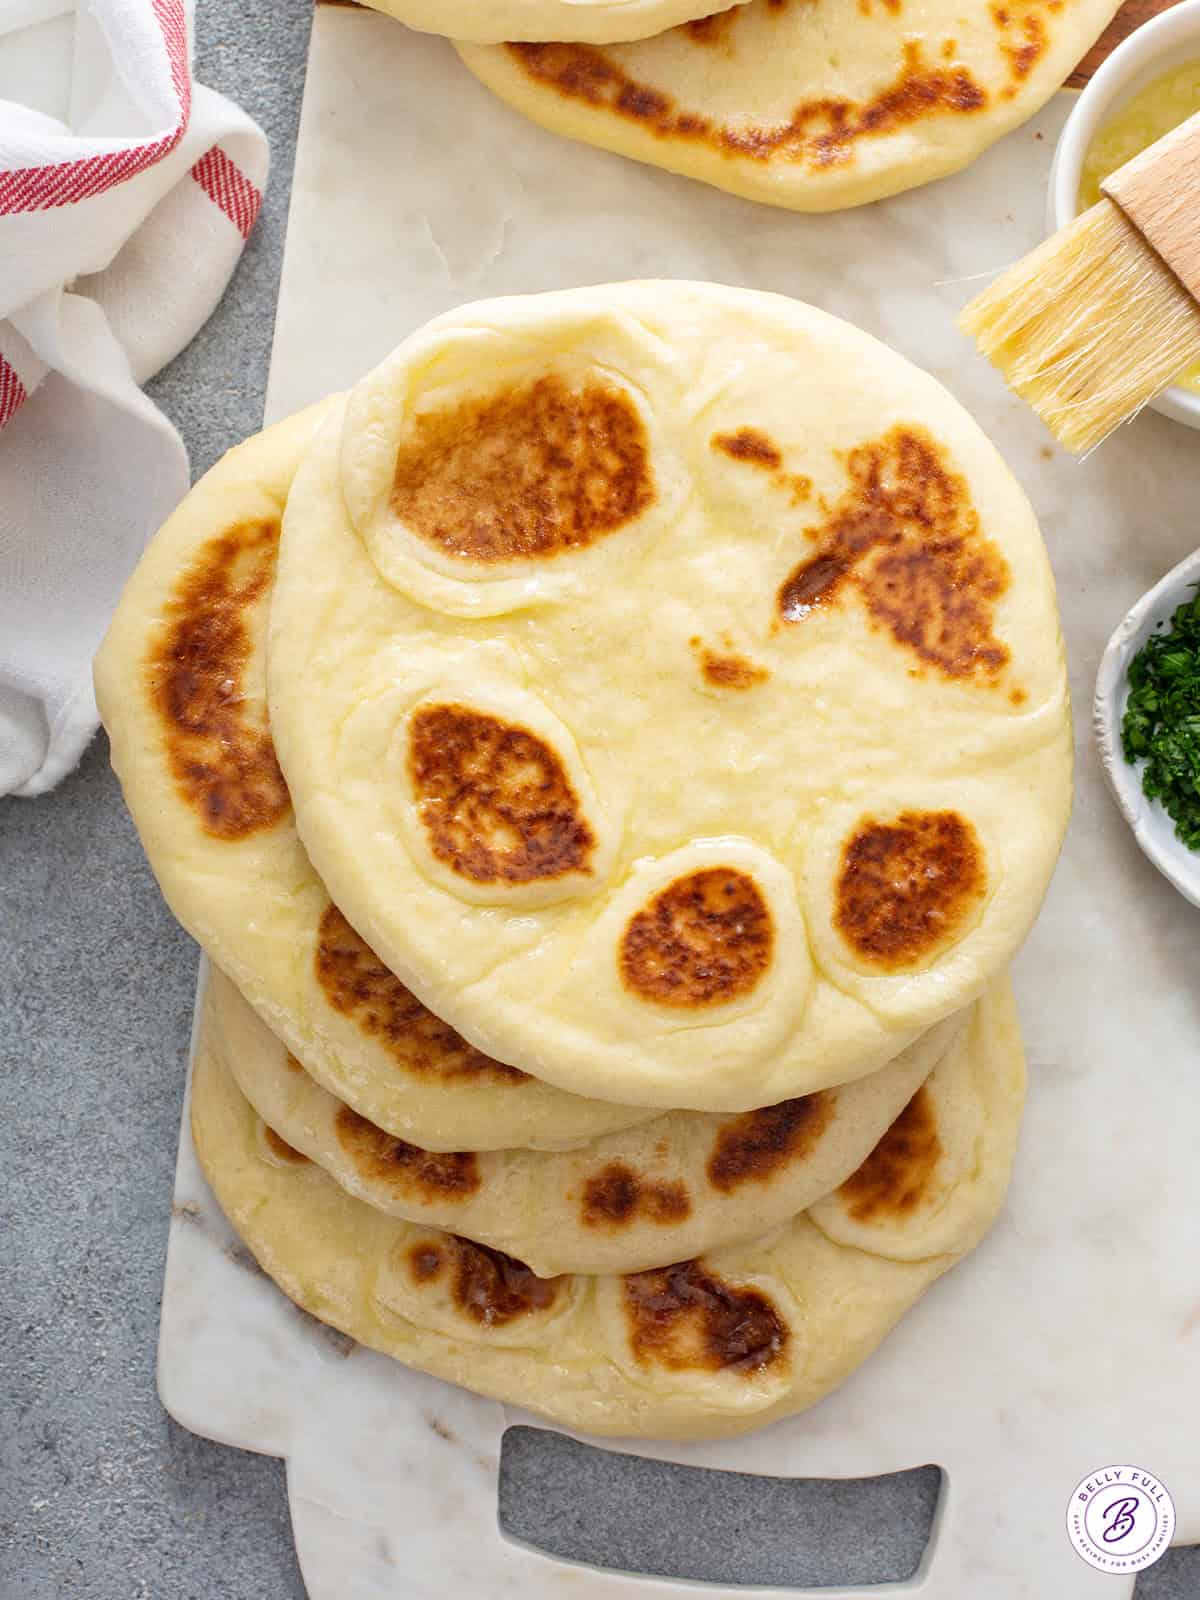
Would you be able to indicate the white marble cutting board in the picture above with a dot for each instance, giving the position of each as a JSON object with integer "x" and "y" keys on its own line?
{"x": 1072, "y": 1338}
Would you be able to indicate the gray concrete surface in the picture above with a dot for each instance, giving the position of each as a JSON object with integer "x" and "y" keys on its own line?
{"x": 101, "y": 1496}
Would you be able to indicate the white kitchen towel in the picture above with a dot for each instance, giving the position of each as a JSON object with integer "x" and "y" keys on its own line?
{"x": 126, "y": 194}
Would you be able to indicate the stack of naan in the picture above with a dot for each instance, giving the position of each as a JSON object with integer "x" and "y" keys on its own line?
{"x": 809, "y": 104}
{"x": 610, "y": 757}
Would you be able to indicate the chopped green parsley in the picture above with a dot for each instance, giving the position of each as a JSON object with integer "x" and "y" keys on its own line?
{"x": 1161, "y": 725}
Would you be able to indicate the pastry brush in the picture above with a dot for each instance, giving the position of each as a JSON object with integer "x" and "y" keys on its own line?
{"x": 1104, "y": 315}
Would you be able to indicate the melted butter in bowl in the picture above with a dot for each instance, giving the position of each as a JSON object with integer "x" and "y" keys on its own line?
{"x": 1162, "y": 105}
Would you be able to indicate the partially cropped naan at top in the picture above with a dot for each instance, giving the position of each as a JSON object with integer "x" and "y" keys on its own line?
{"x": 686, "y": 1182}
{"x": 810, "y": 104}
{"x": 181, "y": 685}
{"x": 701, "y": 1348}
{"x": 598, "y": 21}
{"x": 669, "y": 685}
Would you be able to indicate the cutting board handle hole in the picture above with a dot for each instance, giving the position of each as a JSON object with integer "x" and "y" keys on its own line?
{"x": 592, "y": 1506}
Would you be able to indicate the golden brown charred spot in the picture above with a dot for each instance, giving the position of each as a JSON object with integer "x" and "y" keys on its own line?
{"x": 811, "y": 584}
{"x": 280, "y": 1148}
{"x": 712, "y": 30}
{"x": 686, "y": 1318}
{"x": 486, "y": 1285}
{"x": 704, "y": 940}
{"x": 292, "y": 1064}
{"x": 492, "y": 1288}
{"x": 537, "y": 469}
{"x": 1024, "y": 39}
{"x": 425, "y": 1174}
{"x": 905, "y": 536}
{"x": 731, "y": 671}
{"x": 357, "y": 984}
{"x": 219, "y": 750}
{"x": 906, "y": 887}
{"x": 897, "y": 1174}
{"x": 820, "y": 133}
{"x": 728, "y": 669}
{"x": 495, "y": 799}
{"x": 617, "y": 1195}
{"x": 425, "y": 1262}
{"x": 754, "y": 1147}
{"x": 753, "y": 448}
{"x": 750, "y": 445}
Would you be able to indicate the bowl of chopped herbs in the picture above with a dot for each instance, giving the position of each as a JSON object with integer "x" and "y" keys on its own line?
{"x": 1147, "y": 720}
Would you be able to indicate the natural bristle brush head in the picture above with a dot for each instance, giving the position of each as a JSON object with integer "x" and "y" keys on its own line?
{"x": 1088, "y": 327}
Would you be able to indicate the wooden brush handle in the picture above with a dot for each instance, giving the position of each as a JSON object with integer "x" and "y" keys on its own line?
{"x": 1159, "y": 191}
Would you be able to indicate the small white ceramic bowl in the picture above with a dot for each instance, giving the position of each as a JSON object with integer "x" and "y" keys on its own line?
{"x": 1172, "y": 38}
{"x": 1152, "y": 827}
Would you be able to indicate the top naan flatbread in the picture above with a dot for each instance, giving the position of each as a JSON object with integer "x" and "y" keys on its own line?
{"x": 810, "y": 104}
{"x": 597, "y": 21}
{"x": 669, "y": 685}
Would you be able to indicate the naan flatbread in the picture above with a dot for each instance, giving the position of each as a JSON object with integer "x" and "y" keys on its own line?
{"x": 702, "y": 1348}
{"x": 181, "y": 685}
{"x": 686, "y": 1183}
{"x": 669, "y": 684}
{"x": 599, "y": 21}
{"x": 811, "y": 104}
